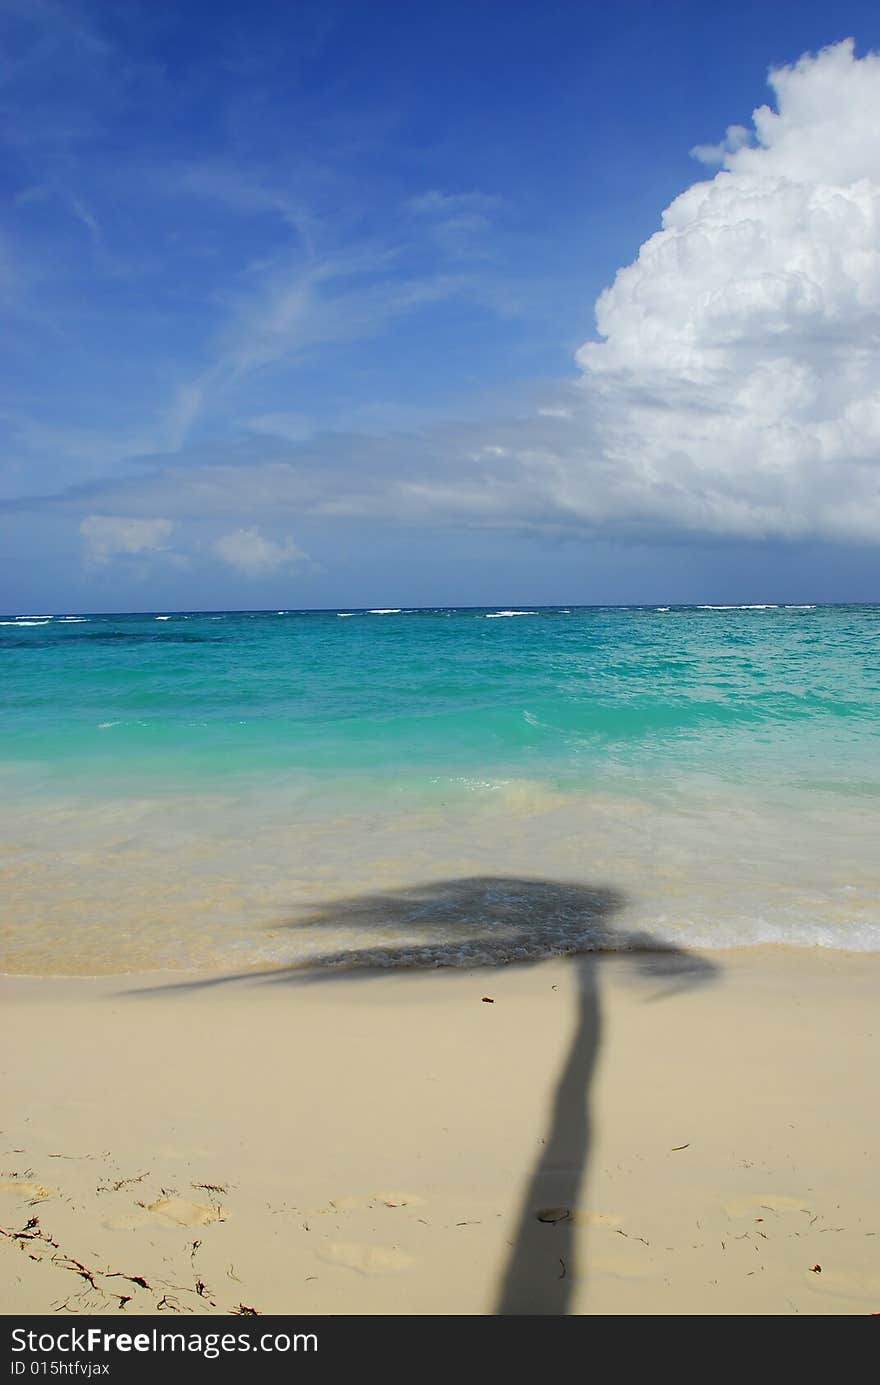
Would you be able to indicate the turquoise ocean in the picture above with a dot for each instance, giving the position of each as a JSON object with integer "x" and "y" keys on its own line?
{"x": 196, "y": 790}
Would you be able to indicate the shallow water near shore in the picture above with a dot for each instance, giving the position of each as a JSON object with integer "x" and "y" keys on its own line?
{"x": 201, "y": 790}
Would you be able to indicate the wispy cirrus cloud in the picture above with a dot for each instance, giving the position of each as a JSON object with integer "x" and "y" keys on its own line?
{"x": 460, "y": 223}
{"x": 215, "y": 259}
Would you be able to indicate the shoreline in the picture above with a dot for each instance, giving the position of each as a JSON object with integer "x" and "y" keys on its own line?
{"x": 168, "y": 978}
{"x": 381, "y": 1143}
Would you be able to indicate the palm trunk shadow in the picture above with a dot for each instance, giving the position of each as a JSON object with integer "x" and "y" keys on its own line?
{"x": 542, "y": 1268}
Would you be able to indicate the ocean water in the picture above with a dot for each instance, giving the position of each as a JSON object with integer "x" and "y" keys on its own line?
{"x": 247, "y": 790}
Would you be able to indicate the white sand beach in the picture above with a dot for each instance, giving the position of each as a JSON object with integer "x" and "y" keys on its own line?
{"x": 385, "y": 1143}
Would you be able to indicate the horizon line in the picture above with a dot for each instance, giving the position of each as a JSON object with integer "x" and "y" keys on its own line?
{"x": 407, "y": 610}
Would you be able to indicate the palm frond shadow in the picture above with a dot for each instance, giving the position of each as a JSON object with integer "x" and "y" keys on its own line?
{"x": 494, "y": 921}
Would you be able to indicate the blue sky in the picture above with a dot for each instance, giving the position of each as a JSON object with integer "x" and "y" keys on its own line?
{"x": 299, "y": 302}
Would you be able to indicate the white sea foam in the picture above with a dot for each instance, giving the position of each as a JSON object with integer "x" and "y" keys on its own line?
{"x": 758, "y": 606}
{"x": 465, "y": 781}
{"x": 343, "y": 615}
{"x": 794, "y": 607}
{"x": 496, "y": 615}
{"x": 39, "y": 620}
{"x": 163, "y": 617}
{"x": 661, "y": 608}
{"x": 533, "y": 721}
{"x": 72, "y": 620}
{"x": 386, "y": 611}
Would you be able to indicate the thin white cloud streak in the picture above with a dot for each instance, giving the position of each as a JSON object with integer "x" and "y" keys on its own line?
{"x": 89, "y": 220}
{"x": 459, "y": 222}
{"x": 308, "y": 297}
{"x": 293, "y": 313}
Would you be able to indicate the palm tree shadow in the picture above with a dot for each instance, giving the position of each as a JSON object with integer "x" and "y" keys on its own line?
{"x": 489, "y": 921}
{"x": 542, "y": 1269}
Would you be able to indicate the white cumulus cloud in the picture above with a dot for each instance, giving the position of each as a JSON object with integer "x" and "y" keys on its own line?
{"x": 112, "y": 536}
{"x": 251, "y": 553}
{"x": 736, "y": 388}
{"x": 735, "y": 137}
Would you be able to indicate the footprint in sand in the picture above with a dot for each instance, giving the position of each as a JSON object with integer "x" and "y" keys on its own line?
{"x": 366, "y": 1259}
{"x": 585, "y": 1217}
{"x": 859, "y": 1286}
{"x": 33, "y": 1192}
{"x": 398, "y": 1199}
{"x": 168, "y": 1210}
{"x": 616, "y": 1267}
